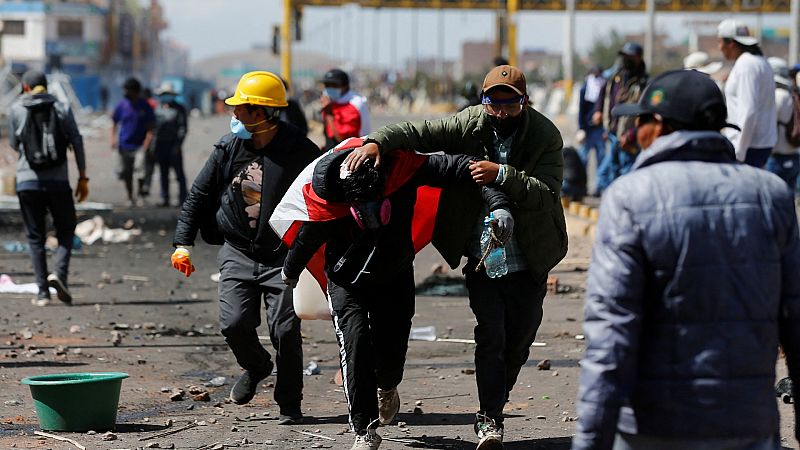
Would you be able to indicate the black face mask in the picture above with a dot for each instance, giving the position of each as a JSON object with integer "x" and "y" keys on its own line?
{"x": 628, "y": 64}
{"x": 505, "y": 127}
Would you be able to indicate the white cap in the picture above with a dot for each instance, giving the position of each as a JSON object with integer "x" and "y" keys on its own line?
{"x": 699, "y": 61}
{"x": 780, "y": 70}
{"x": 733, "y": 29}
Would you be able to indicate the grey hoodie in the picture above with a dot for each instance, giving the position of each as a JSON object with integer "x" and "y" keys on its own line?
{"x": 27, "y": 178}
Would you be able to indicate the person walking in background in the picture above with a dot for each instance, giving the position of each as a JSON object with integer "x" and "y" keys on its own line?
{"x": 237, "y": 190}
{"x": 519, "y": 150}
{"x": 166, "y": 147}
{"x": 625, "y": 85}
{"x": 593, "y": 133}
{"x": 132, "y": 130}
{"x": 692, "y": 286}
{"x": 784, "y": 160}
{"x": 749, "y": 94}
{"x": 344, "y": 113}
{"x": 40, "y": 130}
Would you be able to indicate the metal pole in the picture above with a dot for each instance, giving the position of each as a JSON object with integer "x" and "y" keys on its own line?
{"x": 569, "y": 51}
{"x": 440, "y": 62}
{"x": 649, "y": 36}
{"x": 794, "y": 30}
{"x": 414, "y": 49}
{"x": 511, "y": 17}
{"x": 286, "y": 42}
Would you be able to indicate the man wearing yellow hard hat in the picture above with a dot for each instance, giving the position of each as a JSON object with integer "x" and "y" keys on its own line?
{"x": 231, "y": 199}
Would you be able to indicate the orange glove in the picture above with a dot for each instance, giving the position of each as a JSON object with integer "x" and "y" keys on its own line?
{"x": 82, "y": 189}
{"x": 182, "y": 261}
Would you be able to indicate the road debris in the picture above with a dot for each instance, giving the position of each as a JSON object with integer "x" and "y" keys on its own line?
{"x": 167, "y": 433}
{"x": 314, "y": 435}
{"x": 312, "y": 369}
{"x": 108, "y": 436}
{"x": 543, "y": 364}
{"x": 59, "y": 438}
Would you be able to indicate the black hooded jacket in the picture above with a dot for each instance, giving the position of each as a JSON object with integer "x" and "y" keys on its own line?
{"x": 240, "y": 186}
{"x": 352, "y": 248}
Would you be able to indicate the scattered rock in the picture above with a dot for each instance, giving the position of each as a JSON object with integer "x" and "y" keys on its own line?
{"x": 418, "y": 403}
{"x": 468, "y": 371}
{"x": 60, "y": 350}
{"x": 201, "y": 397}
{"x": 234, "y": 429}
{"x": 26, "y": 334}
{"x": 116, "y": 338}
{"x": 401, "y": 424}
{"x": 417, "y": 410}
{"x": 75, "y": 329}
{"x": 541, "y": 417}
{"x": 153, "y": 445}
{"x": 543, "y": 364}
{"x": 580, "y": 337}
{"x": 217, "y": 381}
{"x": 108, "y": 436}
{"x": 246, "y": 441}
{"x": 177, "y": 395}
{"x": 12, "y": 403}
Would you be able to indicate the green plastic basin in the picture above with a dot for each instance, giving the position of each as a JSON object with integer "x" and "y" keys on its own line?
{"x": 76, "y": 401}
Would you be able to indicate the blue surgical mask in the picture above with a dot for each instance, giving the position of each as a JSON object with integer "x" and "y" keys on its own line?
{"x": 166, "y": 98}
{"x": 333, "y": 93}
{"x": 238, "y": 129}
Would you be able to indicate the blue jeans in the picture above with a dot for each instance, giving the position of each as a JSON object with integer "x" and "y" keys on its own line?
{"x": 594, "y": 141}
{"x": 616, "y": 163}
{"x": 640, "y": 442}
{"x": 785, "y": 166}
{"x": 757, "y": 157}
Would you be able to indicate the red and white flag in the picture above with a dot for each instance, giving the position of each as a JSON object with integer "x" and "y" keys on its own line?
{"x": 301, "y": 204}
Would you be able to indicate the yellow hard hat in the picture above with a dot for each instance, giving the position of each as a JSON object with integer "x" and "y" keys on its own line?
{"x": 259, "y": 88}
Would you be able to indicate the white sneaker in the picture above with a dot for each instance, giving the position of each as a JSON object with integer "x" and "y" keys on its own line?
{"x": 368, "y": 441}
{"x": 388, "y": 405}
{"x": 62, "y": 292}
{"x": 489, "y": 434}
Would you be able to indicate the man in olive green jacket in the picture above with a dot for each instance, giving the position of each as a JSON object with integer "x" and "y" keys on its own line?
{"x": 519, "y": 150}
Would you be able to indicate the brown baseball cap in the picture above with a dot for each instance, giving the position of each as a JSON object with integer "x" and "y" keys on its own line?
{"x": 506, "y": 75}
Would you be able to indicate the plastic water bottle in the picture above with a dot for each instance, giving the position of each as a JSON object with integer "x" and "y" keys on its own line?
{"x": 495, "y": 262}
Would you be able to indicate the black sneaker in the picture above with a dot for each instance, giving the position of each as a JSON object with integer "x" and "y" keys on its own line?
{"x": 61, "y": 288}
{"x": 246, "y": 386}
{"x": 291, "y": 418}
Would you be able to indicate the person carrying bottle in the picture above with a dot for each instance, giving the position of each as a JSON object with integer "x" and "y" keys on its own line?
{"x": 520, "y": 151}
{"x": 237, "y": 189}
{"x": 366, "y": 220}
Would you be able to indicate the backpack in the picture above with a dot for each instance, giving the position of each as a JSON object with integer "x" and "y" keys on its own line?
{"x": 793, "y": 125}
{"x": 44, "y": 143}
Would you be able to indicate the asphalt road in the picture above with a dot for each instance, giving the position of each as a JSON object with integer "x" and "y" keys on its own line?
{"x": 169, "y": 339}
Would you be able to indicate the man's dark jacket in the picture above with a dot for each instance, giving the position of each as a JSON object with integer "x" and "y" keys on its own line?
{"x": 212, "y": 193}
{"x": 393, "y": 242}
{"x": 693, "y": 285}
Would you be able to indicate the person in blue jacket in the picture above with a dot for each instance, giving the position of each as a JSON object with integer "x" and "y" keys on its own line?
{"x": 692, "y": 287}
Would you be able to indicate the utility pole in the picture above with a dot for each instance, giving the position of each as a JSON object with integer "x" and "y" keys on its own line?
{"x": 649, "y": 35}
{"x": 569, "y": 50}
{"x": 794, "y": 30}
{"x": 511, "y": 16}
{"x": 286, "y": 41}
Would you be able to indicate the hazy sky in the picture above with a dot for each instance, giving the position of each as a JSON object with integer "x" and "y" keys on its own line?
{"x": 210, "y": 27}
